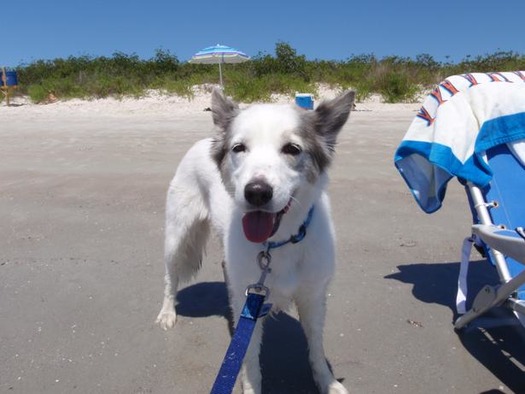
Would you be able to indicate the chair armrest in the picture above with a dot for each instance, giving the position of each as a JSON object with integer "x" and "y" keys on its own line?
{"x": 508, "y": 242}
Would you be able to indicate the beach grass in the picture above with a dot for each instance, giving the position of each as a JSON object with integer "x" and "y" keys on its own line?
{"x": 396, "y": 79}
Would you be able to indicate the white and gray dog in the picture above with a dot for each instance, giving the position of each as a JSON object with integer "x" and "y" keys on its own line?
{"x": 258, "y": 181}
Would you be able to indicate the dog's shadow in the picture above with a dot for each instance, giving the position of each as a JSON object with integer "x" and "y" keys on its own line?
{"x": 496, "y": 340}
{"x": 284, "y": 350}
{"x": 203, "y": 300}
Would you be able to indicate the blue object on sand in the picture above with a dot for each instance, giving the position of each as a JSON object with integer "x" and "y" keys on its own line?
{"x": 11, "y": 78}
{"x": 304, "y": 100}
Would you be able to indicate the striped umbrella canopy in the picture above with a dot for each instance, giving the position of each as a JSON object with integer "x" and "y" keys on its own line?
{"x": 219, "y": 54}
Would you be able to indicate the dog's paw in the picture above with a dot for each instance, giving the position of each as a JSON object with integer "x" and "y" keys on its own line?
{"x": 166, "y": 319}
{"x": 336, "y": 388}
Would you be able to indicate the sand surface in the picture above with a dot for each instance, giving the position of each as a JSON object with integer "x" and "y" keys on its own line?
{"x": 82, "y": 189}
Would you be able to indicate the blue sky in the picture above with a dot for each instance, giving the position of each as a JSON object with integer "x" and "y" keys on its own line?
{"x": 331, "y": 30}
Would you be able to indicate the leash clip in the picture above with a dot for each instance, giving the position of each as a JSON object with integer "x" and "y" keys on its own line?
{"x": 263, "y": 259}
{"x": 259, "y": 289}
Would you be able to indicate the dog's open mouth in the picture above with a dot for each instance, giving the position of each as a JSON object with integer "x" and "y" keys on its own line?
{"x": 258, "y": 226}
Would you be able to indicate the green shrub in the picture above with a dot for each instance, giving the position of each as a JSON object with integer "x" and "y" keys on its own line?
{"x": 285, "y": 72}
{"x": 396, "y": 87}
{"x": 247, "y": 89}
{"x": 172, "y": 85}
{"x": 37, "y": 93}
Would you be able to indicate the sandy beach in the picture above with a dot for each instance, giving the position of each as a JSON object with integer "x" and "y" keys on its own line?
{"x": 82, "y": 190}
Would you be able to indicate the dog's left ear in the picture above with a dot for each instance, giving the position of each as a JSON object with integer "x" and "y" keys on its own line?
{"x": 330, "y": 117}
{"x": 223, "y": 109}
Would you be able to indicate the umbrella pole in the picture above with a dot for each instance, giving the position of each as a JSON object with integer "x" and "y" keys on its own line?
{"x": 220, "y": 73}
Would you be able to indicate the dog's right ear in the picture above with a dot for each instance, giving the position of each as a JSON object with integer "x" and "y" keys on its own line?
{"x": 223, "y": 109}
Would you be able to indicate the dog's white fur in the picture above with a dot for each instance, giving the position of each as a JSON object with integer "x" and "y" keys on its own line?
{"x": 288, "y": 150}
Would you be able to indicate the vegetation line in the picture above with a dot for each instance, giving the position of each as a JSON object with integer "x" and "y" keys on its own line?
{"x": 396, "y": 79}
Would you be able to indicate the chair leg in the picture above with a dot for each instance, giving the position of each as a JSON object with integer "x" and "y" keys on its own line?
{"x": 489, "y": 297}
{"x": 484, "y": 301}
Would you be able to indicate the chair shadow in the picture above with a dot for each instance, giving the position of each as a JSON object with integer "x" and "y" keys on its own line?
{"x": 284, "y": 350}
{"x": 496, "y": 340}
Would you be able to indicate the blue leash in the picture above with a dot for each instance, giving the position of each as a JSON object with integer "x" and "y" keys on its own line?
{"x": 254, "y": 308}
{"x": 231, "y": 365}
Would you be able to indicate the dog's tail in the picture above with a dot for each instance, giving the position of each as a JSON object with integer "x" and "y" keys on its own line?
{"x": 187, "y": 218}
{"x": 187, "y": 231}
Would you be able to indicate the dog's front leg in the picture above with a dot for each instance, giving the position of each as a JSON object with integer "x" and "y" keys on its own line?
{"x": 311, "y": 306}
{"x": 251, "y": 371}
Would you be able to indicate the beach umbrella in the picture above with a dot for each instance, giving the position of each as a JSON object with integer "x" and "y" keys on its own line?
{"x": 219, "y": 54}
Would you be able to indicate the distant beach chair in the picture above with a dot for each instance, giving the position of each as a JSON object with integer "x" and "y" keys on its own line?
{"x": 8, "y": 82}
{"x": 472, "y": 127}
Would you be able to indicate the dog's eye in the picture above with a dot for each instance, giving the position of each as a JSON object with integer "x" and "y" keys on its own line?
{"x": 238, "y": 148}
{"x": 291, "y": 149}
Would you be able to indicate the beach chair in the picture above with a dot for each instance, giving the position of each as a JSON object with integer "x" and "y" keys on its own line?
{"x": 472, "y": 127}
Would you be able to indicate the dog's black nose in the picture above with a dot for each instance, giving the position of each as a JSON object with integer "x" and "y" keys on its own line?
{"x": 258, "y": 193}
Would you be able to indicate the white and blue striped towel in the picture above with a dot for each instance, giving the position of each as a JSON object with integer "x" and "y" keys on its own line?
{"x": 462, "y": 118}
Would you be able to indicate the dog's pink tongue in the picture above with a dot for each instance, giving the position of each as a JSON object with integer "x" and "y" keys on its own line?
{"x": 258, "y": 225}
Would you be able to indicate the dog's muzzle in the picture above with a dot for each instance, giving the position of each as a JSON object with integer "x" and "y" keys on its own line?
{"x": 259, "y": 225}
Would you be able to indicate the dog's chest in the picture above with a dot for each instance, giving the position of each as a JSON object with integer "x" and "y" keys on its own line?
{"x": 283, "y": 281}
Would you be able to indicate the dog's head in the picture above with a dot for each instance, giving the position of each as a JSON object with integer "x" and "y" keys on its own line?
{"x": 269, "y": 154}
